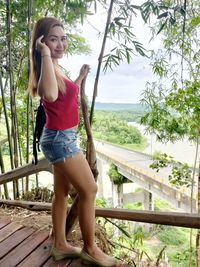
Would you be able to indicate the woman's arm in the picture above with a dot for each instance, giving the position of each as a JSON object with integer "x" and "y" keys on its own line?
{"x": 47, "y": 84}
{"x": 83, "y": 73}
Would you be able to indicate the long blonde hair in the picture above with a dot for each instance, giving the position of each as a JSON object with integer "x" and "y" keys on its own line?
{"x": 42, "y": 27}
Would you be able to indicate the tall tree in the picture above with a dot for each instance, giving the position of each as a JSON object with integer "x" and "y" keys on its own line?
{"x": 173, "y": 101}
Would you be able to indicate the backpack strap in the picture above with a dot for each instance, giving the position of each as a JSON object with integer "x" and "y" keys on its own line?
{"x": 39, "y": 125}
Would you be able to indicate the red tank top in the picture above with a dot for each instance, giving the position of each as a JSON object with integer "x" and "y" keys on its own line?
{"x": 63, "y": 113}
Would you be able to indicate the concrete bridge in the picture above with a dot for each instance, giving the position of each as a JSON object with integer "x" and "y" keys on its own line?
{"x": 135, "y": 166}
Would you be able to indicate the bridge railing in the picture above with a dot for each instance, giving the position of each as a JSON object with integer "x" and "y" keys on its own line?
{"x": 153, "y": 183}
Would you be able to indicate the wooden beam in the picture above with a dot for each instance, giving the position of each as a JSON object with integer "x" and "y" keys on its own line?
{"x": 30, "y": 205}
{"x": 25, "y": 170}
{"x": 189, "y": 220}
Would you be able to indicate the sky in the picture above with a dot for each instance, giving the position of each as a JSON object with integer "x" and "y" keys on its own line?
{"x": 126, "y": 82}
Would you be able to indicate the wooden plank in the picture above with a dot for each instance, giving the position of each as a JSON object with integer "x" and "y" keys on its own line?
{"x": 15, "y": 239}
{"x": 24, "y": 249}
{"x": 8, "y": 230}
{"x": 4, "y": 221}
{"x": 39, "y": 256}
{"x": 61, "y": 263}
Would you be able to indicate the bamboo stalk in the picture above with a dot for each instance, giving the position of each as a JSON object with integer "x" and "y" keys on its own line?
{"x": 14, "y": 156}
{"x": 100, "y": 59}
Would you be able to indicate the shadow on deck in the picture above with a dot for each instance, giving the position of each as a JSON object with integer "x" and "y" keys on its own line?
{"x": 24, "y": 246}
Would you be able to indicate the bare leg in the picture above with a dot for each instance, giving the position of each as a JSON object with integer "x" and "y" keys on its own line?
{"x": 59, "y": 211}
{"x": 80, "y": 176}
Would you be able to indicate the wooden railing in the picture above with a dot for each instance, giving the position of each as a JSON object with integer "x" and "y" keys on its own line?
{"x": 190, "y": 220}
{"x": 25, "y": 170}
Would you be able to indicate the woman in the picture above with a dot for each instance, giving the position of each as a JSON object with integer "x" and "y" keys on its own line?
{"x": 59, "y": 144}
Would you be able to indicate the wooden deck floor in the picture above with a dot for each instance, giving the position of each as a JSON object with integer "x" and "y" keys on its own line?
{"x": 24, "y": 246}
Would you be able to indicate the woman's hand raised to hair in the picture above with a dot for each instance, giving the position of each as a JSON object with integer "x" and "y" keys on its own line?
{"x": 42, "y": 47}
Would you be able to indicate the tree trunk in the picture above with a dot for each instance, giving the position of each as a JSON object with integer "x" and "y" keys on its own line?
{"x": 14, "y": 136}
{"x": 192, "y": 196}
{"x": 28, "y": 107}
{"x": 2, "y": 171}
{"x": 198, "y": 233}
{"x": 7, "y": 127}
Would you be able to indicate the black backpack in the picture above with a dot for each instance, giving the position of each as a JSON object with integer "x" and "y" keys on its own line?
{"x": 39, "y": 125}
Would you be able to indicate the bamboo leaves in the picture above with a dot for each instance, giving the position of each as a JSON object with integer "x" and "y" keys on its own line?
{"x": 121, "y": 33}
{"x": 181, "y": 173}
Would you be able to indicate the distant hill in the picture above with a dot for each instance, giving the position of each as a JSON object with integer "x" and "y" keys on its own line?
{"x": 118, "y": 106}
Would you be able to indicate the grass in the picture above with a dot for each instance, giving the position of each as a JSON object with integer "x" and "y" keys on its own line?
{"x": 174, "y": 236}
{"x": 134, "y": 147}
{"x": 175, "y": 239}
{"x": 162, "y": 205}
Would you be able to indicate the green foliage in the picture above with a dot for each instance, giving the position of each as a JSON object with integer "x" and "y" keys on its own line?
{"x": 121, "y": 33}
{"x": 127, "y": 245}
{"x": 101, "y": 202}
{"x": 172, "y": 235}
{"x": 164, "y": 11}
{"x": 173, "y": 100}
{"x": 109, "y": 127}
{"x": 175, "y": 115}
{"x": 162, "y": 120}
{"x": 181, "y": 173}
{"x": 162, "y": 205}
{"x": 115, "y": 176}
{"x": 195, "y": 21}
{"x": 177, "y": 241}
{"x": 133, "y": 206}
{"x": 120, "y": 113}
{"x": 5, "y": 149}
{"x": 185, "y": 102}
{"x": 182, "y": 257}
{"x": 138, "y": 236}
{"x": 134, "y": 248}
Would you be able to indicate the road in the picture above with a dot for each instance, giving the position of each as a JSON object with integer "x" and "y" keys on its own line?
{"x": 137, "y": 158}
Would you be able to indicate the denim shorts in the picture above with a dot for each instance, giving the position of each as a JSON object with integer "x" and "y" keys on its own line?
{"x": 57, "y": 145}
